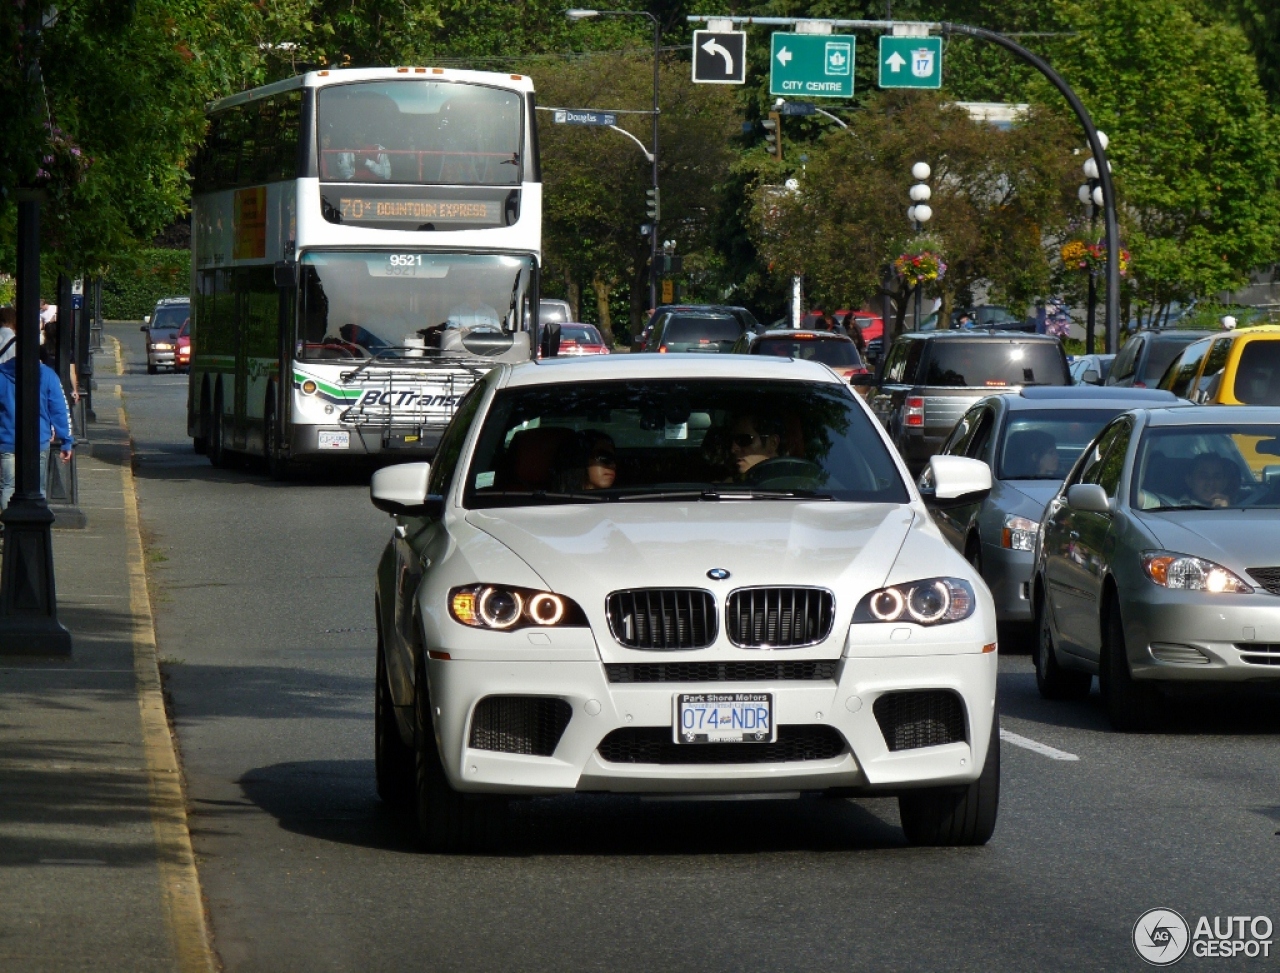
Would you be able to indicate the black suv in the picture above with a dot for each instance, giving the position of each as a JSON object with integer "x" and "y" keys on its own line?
{"x": 694, "y": 327}
{"x": 1145, "y": 356}
{"x": 929, "y": 380}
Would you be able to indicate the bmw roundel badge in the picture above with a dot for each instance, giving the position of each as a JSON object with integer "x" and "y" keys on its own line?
{"x": 717, "y": 574}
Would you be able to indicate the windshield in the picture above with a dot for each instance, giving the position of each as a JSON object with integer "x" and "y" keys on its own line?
{"x": 679, "y": 440}
{"x": 1258, "y": 373}
{"x": 701, "y": 332}
{"x": 994, "y": 363}
{"x": 404, "y": 304}
{"x": 1208, "y": 467}
{"x": 1044, "y": 445}
{"x": 584, "y": 334}
{"x": 170, "y": 317}
{"x": 436, "y": 132}
{"x": 837, "y": 354}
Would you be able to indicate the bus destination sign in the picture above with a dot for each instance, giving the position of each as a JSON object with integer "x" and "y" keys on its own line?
{"x": 358, "y": 209}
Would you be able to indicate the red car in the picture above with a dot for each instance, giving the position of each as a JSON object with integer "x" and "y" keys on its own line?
{"x": 582, "y": 339}
{"x": 870, "y": 323}
{"x": 182, "y": 353}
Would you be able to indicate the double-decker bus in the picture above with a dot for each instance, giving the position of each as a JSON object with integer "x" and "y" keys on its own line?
{"x": 365, "y": 245}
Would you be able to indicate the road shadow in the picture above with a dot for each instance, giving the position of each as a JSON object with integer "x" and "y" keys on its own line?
{"x": 267, "y": 692}
{"x": 336, "y": 800}
{"x": 177, "y": 462}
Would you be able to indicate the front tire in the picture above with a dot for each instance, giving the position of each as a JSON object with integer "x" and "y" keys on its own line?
{"x": 216, "y": 452}
{"x": 278, "y": 468}
{"x": 393, "y": 759}
{"x": 1053, "y": 681}
{"x": 956, "y": 816}
{"x": 1132, "y": 706}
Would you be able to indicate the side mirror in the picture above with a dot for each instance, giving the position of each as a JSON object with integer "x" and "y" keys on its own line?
{"x": 1088, "y": 497}
{"x": 958, "y": 481}
{"x": 864, "y": 380}
{"x": 146, "y": 319}
{"x": 1091, "y": 377}
{"x": 145, "y": 327}
{"x": 402, "y": 491}
{"x": 550, "y": 344}
{"x": 286, "y": 275}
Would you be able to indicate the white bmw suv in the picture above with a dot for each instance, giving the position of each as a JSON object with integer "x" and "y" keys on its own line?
{"x": 684, "y": 575}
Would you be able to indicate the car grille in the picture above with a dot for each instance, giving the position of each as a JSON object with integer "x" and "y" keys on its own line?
{"x": 1269, "y": 578}
{"x": 779, "y": 618}
{"x": 921, "y": 718}
{"x": 720, "y": 671}
{"x": 653, "y": 745}
{"x": 1259, "y": 653}
{"x": 662, "y": 618}
{"x": 519, "y": 724}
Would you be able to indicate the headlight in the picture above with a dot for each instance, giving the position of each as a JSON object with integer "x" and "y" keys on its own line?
{"x": 1186, "y": 573}
{"x": 162, "y": 347}
{"x": 1019, "y": 534}
{"x": 935, "y": 601}
{"x": 502, "y": 608}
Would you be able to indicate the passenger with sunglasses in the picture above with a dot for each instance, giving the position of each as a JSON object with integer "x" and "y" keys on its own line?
{"x": 589, "y": 461}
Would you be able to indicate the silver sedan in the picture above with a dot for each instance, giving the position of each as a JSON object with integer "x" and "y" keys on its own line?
{"x": 1158, "y": 561}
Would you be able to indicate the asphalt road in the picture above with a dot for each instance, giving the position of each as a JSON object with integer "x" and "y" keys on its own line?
{"x": 264, "y": 600}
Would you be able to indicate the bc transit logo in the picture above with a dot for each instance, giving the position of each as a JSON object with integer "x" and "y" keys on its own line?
{"x": 1161, "y": 937}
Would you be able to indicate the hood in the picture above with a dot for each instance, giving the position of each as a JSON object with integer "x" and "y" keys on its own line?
{"x": 1039, "y": 492}
{"x": 586, "y": 551}
{"x": 1237, "y": 539}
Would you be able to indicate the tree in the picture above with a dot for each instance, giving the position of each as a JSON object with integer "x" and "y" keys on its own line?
{"x": 998, "y": 199}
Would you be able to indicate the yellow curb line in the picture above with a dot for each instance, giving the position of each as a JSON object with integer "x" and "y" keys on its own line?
{"x": 180, "y": 884}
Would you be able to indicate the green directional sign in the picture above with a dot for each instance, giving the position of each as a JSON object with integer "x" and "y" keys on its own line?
{"x": 812, "y": 65}
{"x": 910, "y": 62}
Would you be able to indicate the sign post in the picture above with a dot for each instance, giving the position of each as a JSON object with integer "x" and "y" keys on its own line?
{"x": 910, "y": 62}
{"x": 812, "y": 65}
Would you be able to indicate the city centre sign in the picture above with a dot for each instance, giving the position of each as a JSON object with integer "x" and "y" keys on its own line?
{"x": 812, "y": 65}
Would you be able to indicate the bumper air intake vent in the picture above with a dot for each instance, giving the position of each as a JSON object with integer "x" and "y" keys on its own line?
{"x": 662, "y": 618}
{"x": 1182, "y": 655}
{"x": 653, "y": 745}
{"x": 519, "y": 724}
{"x": 779, "y": 618}
{"x": 1259, "y": 653}
{"x": 921, "y": 718}
{"x": 720, "y": 671}
{"x": 1269, "y": 578}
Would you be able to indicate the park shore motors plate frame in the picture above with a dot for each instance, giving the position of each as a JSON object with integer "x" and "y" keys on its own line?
{"x": 702, "y": 718}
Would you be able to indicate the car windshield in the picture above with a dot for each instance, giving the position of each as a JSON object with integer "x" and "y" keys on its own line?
{"x": 1208, "y": 467}
{"x": 169, "y": 317}
{"x": 994, "y": 363}
{"x": 679, "y": 440}
{"x": 834, "y": 352}
{"x": 584, "y": 334}
{"x": 702, "y": 329}
{"x": 1044, "y": 445}
{"x": 1258, "y": 373}
{"x": 400, "y": 304}
{"x": 552, "y": 312}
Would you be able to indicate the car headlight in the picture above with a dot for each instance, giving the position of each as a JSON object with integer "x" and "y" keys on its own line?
{"x": 502, "y": 608}
{"x": 1186, "y": 573}
{"x": 1019, "y": 533}
{"x": 934, "y": 601}
{"x": 163, "y": 347}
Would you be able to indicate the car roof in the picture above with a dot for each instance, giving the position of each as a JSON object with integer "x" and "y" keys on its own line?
{"x": 1179, "y": 334}
{"x": 808, "y": 334}
{"x": 173, "y": 300}
{"x": 1208, "y": 415}
{"x": 1090, "y": 397}
{"x": 557, "y": 371}
{"x": 982, "y": 334}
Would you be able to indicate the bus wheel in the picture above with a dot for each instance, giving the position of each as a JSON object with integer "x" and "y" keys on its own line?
{"x": 278, "y": 467}
{"x": 216, "y": 451}
{"x": 200, "y": 443}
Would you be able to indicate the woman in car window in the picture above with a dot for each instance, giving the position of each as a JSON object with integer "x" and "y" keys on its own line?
{"x": 589, "y": 461}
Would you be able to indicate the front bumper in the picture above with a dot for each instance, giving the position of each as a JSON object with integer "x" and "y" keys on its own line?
{"x": 160, "y": 359}
{"x": 404, "y": 443}
{"x": 1007, "y": 573}
{"x": 845, "y": 704}
{"x": 1191, "y": 636}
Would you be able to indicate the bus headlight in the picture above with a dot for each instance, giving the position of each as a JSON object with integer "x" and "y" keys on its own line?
{"x": 503, "y": 608}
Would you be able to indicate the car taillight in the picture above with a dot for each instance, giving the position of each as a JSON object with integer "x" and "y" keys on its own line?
{"x": 1139, "y": 385}
{"x": 914, "y": 416}
{"x": 662, "y": 349}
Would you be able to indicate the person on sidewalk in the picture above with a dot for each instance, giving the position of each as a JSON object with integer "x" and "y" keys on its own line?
{"x": 54, "y": 417}
{"x": 8, "y": 333}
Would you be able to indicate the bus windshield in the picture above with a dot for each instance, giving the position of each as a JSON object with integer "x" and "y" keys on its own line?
{"x": 410, "y": 304}
{"x": 432, "y": 132}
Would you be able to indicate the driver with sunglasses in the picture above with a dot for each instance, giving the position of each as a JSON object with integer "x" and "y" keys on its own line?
{"x": 754, "y": 440}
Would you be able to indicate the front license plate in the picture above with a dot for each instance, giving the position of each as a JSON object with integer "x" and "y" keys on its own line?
{"x": 724, "y": 718}
{"x": 334, "y": 440}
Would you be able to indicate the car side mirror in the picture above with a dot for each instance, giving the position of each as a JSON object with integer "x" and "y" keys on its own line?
{"x": 401, "y": 490}
{"x": 1091, "y": 377}
{"x": 957, "y": 481}
{"x": 146, "y": 319}
{"x": 1088, "y": 497}
{"x": 864, "y": 380}
{"x": 550, "y": 340}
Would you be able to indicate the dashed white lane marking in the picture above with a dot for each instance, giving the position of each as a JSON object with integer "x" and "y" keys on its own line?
{"x": 1036, "y": 746}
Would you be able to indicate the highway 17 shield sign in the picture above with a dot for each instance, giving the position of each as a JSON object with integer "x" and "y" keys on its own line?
{"x": 719, "y": 57}
{"x": 910, "y": 62}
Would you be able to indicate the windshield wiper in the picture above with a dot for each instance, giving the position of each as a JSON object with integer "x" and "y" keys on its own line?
{"x": 1182, "y": 506}
{"x": 710, "y": 494}
{"x": 593, "y": 497}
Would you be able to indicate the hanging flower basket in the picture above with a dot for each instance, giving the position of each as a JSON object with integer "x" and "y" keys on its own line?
{"x": 62, "y": 165}
{"x": 919, "y": 267}
{"x": 1078, "y": 255}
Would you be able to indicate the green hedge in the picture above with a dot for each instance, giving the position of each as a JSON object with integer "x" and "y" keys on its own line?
{"x": 135, "y": 282}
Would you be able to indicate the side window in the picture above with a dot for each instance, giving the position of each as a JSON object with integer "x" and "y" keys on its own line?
{"x": 1127, "y": 360}
{"x": 959, "y": 438}
{"x": 450, "y": 449}
{"x": 911, "y": 373}
{"x": 1183, "y": 370}
{"x": 1113, "y": 465}
{"x": 1090, "y": 470}
{"x": 981, "y": 435}
{"x": 1214, "y": 363}
{"x": 897, "y": 358}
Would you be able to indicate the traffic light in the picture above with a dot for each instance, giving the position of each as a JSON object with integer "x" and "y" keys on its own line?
{"x": 773, "y": 134}
{"x": 652, "y": 207}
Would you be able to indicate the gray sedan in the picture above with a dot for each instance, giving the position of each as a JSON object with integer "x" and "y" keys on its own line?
{"x": 1159, "y": 560}
{"x": 1030, "y": 440}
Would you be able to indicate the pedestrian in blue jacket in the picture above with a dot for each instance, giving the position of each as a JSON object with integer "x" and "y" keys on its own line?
{"x": 54, "y": 417}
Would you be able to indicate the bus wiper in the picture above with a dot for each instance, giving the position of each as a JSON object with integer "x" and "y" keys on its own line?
{"x": 396, "y": 353}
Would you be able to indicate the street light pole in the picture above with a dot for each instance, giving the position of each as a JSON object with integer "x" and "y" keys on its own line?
{"x": 919, "y": 213}
{"x": 1091, "y": 195}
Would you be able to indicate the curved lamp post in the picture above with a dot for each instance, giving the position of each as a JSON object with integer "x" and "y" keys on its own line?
{"x": 919, "y": 212}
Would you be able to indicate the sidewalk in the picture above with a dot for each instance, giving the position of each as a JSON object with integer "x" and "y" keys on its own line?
{"x": 96, "y": 869}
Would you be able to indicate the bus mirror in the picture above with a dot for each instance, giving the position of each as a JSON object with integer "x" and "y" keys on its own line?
{"x": 550, "y": 340}
{"x": 286, "y": 275}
